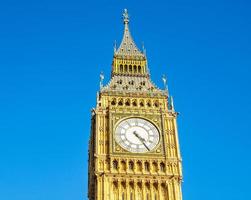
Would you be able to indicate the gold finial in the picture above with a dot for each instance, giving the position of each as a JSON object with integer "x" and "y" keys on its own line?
{"x": 126, "y": 16}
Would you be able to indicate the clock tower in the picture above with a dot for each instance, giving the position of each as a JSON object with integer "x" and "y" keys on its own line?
{"x": 134, "y": 150}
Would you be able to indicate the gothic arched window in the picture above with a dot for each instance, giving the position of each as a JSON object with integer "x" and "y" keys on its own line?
{"x": 162, "y": 167}
{"x": 113, "y": 102}
{"x": 135, "y": 69}
{"x": 147, "y": 167}
{"x": 141, "y": 103}
{"x": 130, "y": 68}
{"x": 139, "y": 69}
{"x": 155, "y": 166}
{"x": 134, "y": 103}
{"x": 139, "y": 166}
{"x": 115, "y": 164}
{"x": 131, "y": 165}
{"x": 123, "y": 165}
{"x": 127, "y": 103}
{"x": 121, "y": 68}
{"x": 156, "y": 104}
{"x": 120, "y": 102}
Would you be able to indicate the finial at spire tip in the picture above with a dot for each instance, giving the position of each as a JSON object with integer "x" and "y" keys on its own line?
{"x": 126, "y": 16}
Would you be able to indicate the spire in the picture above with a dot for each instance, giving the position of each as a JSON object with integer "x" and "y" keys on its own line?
{"x": 128, "y": 46}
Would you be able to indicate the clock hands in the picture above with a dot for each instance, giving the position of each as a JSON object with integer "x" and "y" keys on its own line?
{"x": 141, "y": 139}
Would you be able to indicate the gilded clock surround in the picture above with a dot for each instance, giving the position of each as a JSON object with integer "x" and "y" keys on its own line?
{"x": 114, "y": 172}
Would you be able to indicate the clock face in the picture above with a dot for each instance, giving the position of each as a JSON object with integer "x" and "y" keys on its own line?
{"x": 137, "y": 135}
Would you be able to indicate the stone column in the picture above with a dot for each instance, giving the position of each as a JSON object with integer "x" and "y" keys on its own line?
{"x": 143, "y": 190}
{"x": 151, "y": 190}
{"x": 119, "y": 190}
{"x": 134, "y": 190}
{"x": 159, "y": 191}
{"x": 169, "y": 189}
{"x": 107, "y": 190}
{"x": 127, "y": 190}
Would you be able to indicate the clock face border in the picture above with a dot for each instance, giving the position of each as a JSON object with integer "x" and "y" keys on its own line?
{"x": 135, "y": 150}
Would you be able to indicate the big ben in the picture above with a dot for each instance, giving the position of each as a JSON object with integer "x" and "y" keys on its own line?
{"x": 134, "y": 149}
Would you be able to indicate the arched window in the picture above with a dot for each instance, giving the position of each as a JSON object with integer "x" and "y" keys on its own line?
{"x": 162, "y": 167}
{"x": 134, "y": 103}
{"x": 135, "y": 69}
{"x": 131, "y": 82}
{"x": 141, "y": 103}
{"x": 156, "y": 104}
{"x": 155, "y": 167}
{"x": 131, "y": 165}
{"x": 119, "y": 82}
{"x": 121, "y": 68}
{"x": 143, "y": 83}
{"x": 139, "y": 69}
{"x": 120, "y": 102}
{"x": 130, "y": 68}
{"x": 115, "y": 164}
{"x": 113, "y": 102}
{"x": 147, "y": 167}
{"x": 127, "y": 103}
{"x": 139, "y": 166}
{"x": 126, "y": 68}
{"x": 123, "y": 165}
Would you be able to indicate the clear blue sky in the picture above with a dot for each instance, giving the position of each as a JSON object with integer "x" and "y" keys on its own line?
{"x": 51, "y": 54}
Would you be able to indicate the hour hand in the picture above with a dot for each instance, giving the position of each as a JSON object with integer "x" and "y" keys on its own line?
{"x": 141, "y": 139}
{"x": 137, "y": 135}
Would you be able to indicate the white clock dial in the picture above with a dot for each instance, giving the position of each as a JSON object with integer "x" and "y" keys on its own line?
{"x": 137, "y": 135}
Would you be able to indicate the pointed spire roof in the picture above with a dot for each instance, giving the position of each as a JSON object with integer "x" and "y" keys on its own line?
{"x": 128, "y": 46}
